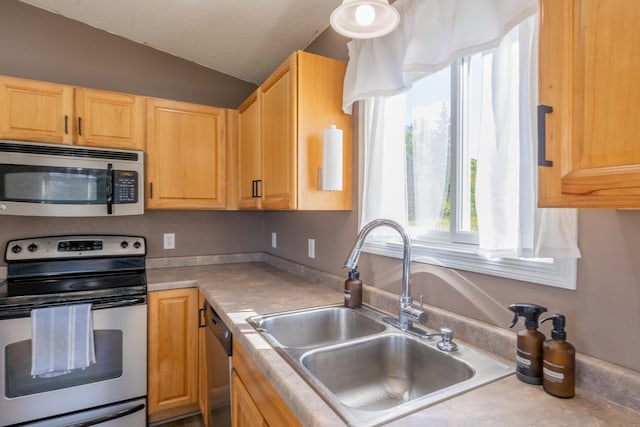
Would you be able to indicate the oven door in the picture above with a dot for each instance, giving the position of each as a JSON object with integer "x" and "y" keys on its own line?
{"x": 119, "y": 374}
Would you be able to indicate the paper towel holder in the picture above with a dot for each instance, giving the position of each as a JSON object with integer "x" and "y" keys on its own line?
{"x": 330, "y": 172}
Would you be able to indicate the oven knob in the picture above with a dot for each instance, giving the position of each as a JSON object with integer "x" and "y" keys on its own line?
{"x": 137, "y": 245}
{"x": 32, "y": 247}
{"x": 16, "y": 249}
{"x": 124, "y": 244}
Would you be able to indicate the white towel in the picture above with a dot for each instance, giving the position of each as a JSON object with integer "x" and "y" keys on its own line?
{"x": 62, "y": 340}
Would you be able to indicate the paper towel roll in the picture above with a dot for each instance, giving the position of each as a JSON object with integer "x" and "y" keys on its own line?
{"x": 332, "y": 159}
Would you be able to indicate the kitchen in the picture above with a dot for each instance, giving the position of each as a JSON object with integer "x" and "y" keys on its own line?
{"x": 48, "y": 47}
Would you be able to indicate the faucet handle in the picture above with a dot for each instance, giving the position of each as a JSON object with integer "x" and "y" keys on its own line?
{"x": 421, "y": 299}
{"x": 414, "y": 314}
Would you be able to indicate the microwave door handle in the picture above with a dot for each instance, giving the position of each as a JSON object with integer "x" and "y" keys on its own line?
{"x": 110, "y": 189}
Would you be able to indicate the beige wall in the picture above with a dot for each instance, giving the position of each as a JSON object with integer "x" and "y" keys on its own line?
{"x": 40, "y": 45}
{"x": 603, "y": 313}
{"x": 196, "y": 232}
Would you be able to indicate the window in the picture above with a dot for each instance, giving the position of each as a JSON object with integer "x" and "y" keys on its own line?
{"x": 423, "y": 157}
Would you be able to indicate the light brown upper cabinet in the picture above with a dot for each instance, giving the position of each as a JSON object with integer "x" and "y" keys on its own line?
{"x": 48, "y": 112}
{"x": 291, "y": 109}
{"x": 109, "y": 119}
{"x": 590, "y": 103}
{"x": 186, "y": 155}
{"x": 249, "y": 165}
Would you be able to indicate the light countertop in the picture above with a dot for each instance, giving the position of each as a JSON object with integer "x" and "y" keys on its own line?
{"x": 238, "y": 291}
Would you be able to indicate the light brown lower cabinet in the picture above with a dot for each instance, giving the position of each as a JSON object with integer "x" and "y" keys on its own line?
{"x": 172, "y": 353}
{"x": 254, "y": 401}
{"x": 244, "y": 411}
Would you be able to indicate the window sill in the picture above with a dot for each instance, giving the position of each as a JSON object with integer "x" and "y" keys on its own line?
{"x": 560, "y": 273}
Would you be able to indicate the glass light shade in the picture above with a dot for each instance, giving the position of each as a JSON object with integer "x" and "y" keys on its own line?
{"x": 364, "y": 19}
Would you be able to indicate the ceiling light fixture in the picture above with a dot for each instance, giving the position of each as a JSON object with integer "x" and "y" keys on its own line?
{"x": 364, "y": 19}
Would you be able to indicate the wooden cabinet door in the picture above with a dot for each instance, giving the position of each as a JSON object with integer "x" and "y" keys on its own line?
{"x": 186, "y": 164}
{"x": 320, "y": 82}
{"x": 244, "y": 411}
{"x": 274, "y": 410}
{"x": 203, "y": 374}
{"x": 36, "y": 111}
{"x": 589, "y": 67}
{"x": 249, "y": 152}
{"x": 173, "y": 351}
{"x": 109, "y": 119}
{"x": 278, "y": 102}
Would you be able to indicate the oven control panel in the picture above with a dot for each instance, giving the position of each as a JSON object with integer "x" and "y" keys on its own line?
{"x": 74, "y": 246}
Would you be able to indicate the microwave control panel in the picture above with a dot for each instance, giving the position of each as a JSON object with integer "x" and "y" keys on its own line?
{"x": 125, "y": 185}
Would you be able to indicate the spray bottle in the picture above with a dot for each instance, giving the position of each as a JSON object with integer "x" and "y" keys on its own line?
{"x": 529, "y": 343}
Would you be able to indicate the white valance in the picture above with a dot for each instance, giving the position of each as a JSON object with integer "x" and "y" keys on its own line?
{"x": 431, "y": 35}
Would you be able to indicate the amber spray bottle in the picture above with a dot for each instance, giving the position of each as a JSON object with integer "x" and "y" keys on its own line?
{"x": 529, "y": 343}
{"x": 558, "y": 361}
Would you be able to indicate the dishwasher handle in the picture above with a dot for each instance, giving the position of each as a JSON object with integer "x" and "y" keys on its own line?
{"x": 218, "y": 328}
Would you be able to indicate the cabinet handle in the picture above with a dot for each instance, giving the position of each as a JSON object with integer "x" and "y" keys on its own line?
{"x": 543, "y": 110}
{"x": 202, "y": 320}
{"x": 79, "y": 125}
{"x": 258, "y": 188}
{"x": 66, "y": 124}
{"x": 151, "y": 190}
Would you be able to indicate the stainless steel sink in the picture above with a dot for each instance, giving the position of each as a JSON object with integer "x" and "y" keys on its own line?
{"x": 369, "y": 372}
{"x": 310, "y": 328}
{"x": 385, "y": 371}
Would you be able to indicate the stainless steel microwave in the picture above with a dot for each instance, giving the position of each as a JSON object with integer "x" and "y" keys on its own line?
{"x": 65, "y": 180}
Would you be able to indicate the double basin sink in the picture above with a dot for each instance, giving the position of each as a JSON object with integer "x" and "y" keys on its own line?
{"x": 368, "y": 371}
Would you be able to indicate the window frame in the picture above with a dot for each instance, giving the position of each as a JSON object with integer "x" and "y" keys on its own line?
{"x": 460, "y": 250}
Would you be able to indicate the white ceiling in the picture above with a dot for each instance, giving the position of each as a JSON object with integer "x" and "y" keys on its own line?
{"x": 246, "y": 39}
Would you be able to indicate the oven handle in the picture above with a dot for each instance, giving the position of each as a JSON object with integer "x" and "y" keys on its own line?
{"x": 119, "y": 303}
{"x": 14, "y": 313}
{"x": 114, "y": 416}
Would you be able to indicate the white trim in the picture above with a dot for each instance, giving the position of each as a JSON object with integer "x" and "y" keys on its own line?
{"x": 559, "y": 273}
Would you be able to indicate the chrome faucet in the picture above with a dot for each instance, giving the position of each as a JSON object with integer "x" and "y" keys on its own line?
{"x": 407, "y": 314}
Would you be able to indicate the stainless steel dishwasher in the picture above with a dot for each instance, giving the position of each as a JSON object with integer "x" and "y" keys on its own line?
{"x": 218, "y": 368}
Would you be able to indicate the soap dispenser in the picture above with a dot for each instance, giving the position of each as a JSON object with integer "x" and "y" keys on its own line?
{"x": 558, "y": 361}
{"x": 529, "y": 343}
{"x": 353, "y": 290}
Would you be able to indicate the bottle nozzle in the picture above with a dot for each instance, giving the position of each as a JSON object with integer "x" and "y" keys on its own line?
{"x": 559, "y": 322}
{"x": 531, "y": 313}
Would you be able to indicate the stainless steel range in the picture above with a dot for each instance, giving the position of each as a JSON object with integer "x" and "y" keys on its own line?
{"x": 104, "y": 274}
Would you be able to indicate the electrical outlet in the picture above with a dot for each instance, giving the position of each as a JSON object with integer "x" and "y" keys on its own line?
{"x": 312, "y": 248}
{"x": 273, "y": 240}
{"x": 169, "y": 241}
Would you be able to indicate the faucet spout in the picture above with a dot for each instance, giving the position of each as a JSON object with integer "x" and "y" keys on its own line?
{"x": 406, "y": 313}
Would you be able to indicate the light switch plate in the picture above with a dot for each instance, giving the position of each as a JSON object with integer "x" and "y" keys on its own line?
{"x": 312, "y": 248}
{"x": 169, "y": 241}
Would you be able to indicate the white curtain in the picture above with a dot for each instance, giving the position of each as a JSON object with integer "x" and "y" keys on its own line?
{"x": 510, "y": 223}
{"x": 385, "y": 180}
{"x": 432, "y": 34}
{"x": 384, "y": 174}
